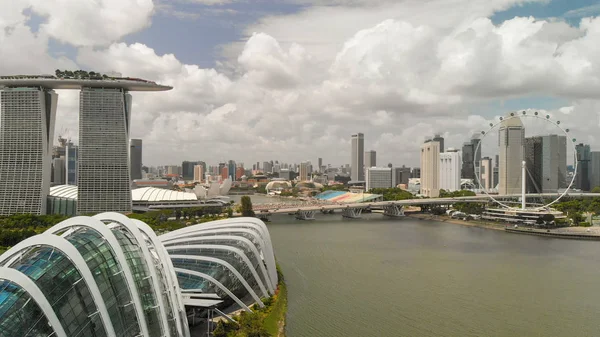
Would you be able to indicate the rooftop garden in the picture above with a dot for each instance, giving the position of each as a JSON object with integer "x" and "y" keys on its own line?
{"x": 74, "y": 75}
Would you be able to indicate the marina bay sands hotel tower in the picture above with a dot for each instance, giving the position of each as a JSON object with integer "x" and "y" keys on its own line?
{"x": 27, "y": 118}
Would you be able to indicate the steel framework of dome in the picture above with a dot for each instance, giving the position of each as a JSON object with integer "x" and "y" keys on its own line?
{"x": 109, "y": 275}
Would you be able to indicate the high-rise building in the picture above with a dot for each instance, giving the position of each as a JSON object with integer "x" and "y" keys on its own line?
{"x": 370, "y": 159}
{"x": 199, "y": 173}
{"x": 239, "y": 172}
{"x": 487, "y": 180}
{"x": 554, "y": 163}
{"x": 583, "y": 155}
{"x": 378, "y": 177}
{"x": 104, "y": 178}
{"x": 594, "y": 169}
{"x": 415, "y": 172}
{"x": 304, "y": 170}
{"x": 27, "y": 116}
{"x": 439, "y": 139}
{"x": 402, "y": 174}
{"x": 449, "y": 170}
{"x": 58, "y": 171}
{"x": 224, "y": 172}
{"x": 430, "y": 161}
{"x": 532, "y": 149}
{"x": 135, "y": 158}
{"x": 173, "y": 169}
{"x": 285, "y": 174}
{"x": 320, "y": 161}
{"x": 471, "y": 157}
{"x": 267, "y": 167}
{"x": 71, "y": 164}
{"x": 187, "y": 169}
{"x": 357, "y": 172}
{"x": 511, "y": 135}
{"x": 231, "y": 169}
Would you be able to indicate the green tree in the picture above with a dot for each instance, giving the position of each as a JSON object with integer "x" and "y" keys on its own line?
{"x": 247, "y": 206}
{"x": 596, "y": 189}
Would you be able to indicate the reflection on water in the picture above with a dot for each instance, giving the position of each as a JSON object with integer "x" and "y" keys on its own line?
{"x": 405, "y": 277}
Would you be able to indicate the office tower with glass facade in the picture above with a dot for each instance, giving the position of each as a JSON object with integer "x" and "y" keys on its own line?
{"x": 511, "y": 137}
{"x": 104, "y": 175}
{"x": 357, "y": 172}
{"x": 583, "y": 156}
{"x": 27, "y": 116}
{"x": 71, "y": 164}
{"x": 135, "y": 158}
{"x": 402, "y": 174}
{"x": 594, "y": 170}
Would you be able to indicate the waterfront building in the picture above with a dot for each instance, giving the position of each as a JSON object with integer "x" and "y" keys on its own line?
{"x": 71, "y": 164}
{"x": 26, "y": 132}
{"x": 370, "y": 159}
{"x": 378, "y": 177}
{"x": 594, "y": 169}
{"x": 486, "y": 180}
{"x": 357, "y": 172}
{"x": 438, "y": 138}
{"x": 430, "y": 161}
{"x": 402, "y": 174}
{"x": 583, "y": 156}
{"x": 198, "y": 173}
{"x": 103, "y": 178}
{"x": 449, "y": 170}
{"x": 83, "y": 277}
{"x": 135, "y": 158}
{"x": 511, "y": 138}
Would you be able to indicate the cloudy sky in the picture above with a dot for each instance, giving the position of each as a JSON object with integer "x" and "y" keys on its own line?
{"x": 291, "y": 80}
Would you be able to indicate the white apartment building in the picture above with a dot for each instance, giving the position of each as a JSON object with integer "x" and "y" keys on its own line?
{"x": 450, "y": 166}
{"x": 379, "y": 177}
{"x": 486, "y": 180}
{"x": 430, "y": 161}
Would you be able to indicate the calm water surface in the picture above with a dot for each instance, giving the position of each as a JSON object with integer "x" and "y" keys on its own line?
{"x": 404, "y": 277}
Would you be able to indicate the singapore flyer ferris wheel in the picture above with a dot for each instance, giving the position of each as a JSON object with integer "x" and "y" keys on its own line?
{"x": 532, "y": 152}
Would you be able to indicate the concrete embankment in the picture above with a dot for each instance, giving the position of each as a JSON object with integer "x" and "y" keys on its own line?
{"x": 553, "y": 234}
{"x": 445, "y": 218}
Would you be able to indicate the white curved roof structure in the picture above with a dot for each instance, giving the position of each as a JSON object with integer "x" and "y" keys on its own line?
{"x": 152, "y": 194}
{"x": 110, "y": 275}
{"x": 64, "y": 191}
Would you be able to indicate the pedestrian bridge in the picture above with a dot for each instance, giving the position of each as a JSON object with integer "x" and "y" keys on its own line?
{"x": 395, "y": 208}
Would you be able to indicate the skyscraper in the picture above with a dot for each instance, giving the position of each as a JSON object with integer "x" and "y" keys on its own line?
{"x": 594, "y": 169}
{"x": 439, "y": 139}
{"x": 72, "y": 152}
{"x": 104, "y": 176}
{"x": 304, "y": 170}
{"x": 554, "y": 163}
{"x": 27, "y": 116}
{"x": 187, "y": 169}
{"x": 198, "y": 173}
{"x": 231, "y": 169}
{"x": 449, "y": 170}
{"x": 583, "y": 155}
{"x": 430, "y": 161}
{"x": 370, "y": 159}
{"x": 402, "y": 174}
{"x": 357, "y": 172}
{"x": 320, "y": 161}
{"x": 135, "y": 158}
{"x": 510, "y": 140}
{"x": 533, "y": 154}
{"x": 487, "y": 181}
{"x": 58, "y": 171}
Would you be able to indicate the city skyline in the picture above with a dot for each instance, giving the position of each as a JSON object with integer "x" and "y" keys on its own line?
{"x": 236, "y": 91}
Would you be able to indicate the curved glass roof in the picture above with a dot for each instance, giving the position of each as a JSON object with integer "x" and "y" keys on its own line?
{"x": 110, "y": 275}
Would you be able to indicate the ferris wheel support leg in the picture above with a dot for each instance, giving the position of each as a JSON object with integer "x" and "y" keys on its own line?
{"x": 523, "y": 184}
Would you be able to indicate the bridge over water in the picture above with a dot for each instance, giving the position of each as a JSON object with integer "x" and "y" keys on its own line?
{"x": 395, "y": 208}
